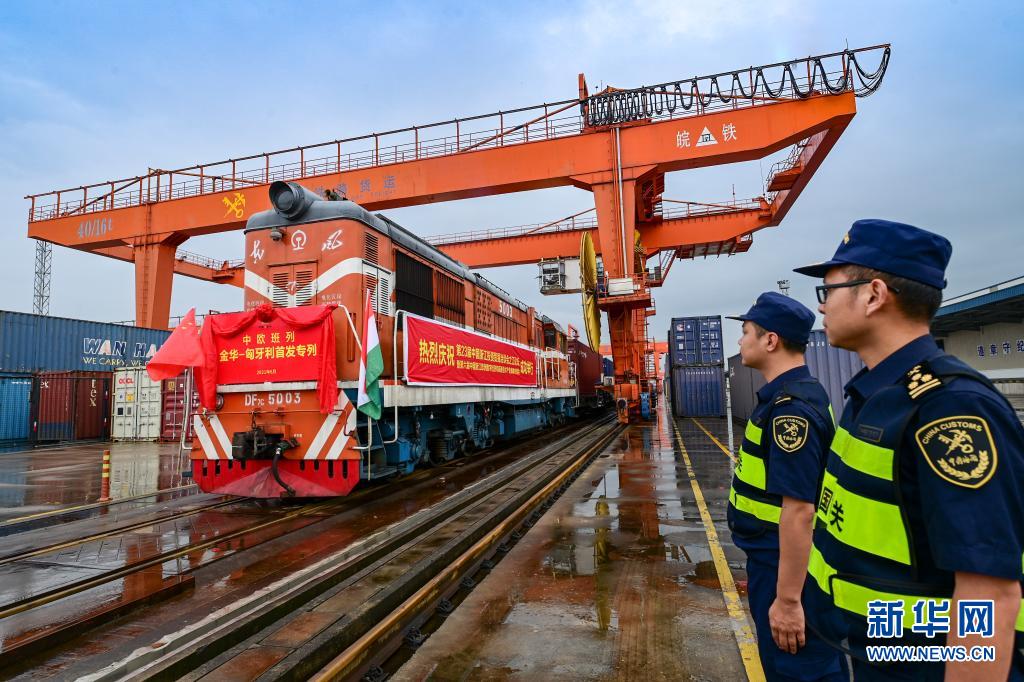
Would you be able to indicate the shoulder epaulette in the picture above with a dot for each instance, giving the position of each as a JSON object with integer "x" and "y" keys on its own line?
{"x": 919, "y": 380}
{"x": 783, "y": 399}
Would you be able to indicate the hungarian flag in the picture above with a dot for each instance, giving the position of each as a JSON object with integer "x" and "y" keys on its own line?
{"x": 180, "y": 351}
{"x": 371, "y": 366}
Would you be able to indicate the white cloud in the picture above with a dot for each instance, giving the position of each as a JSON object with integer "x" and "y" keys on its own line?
{"x": 618, "y": 23}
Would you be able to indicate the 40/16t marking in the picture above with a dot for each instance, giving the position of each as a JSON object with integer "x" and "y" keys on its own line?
{"x": 95, "y": 228}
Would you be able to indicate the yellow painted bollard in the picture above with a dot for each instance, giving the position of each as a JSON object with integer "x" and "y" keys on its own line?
{"x": 105, "y": 483}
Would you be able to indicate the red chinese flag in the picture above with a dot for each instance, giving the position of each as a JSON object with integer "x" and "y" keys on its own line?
{"x": 180, "y": 351}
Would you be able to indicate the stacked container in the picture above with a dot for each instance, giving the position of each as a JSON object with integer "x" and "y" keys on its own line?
{"x": 588, "y": 367}
{"x": 56, "y": 375}
{"x": 15, "y": 403}
{"x": 71, "y": 406}
{"x": 39, "y": 343}
{"x": 696, "y": 341}
{"x": 694, "y": 373}
{"x": 175, "y": 414}
{"x": 832, "y": 366}
{"x": 136, "y": 405}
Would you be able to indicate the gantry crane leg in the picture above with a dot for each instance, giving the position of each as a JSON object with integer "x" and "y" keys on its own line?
{"x": 615, "y": 199}
{"x": 154, "y": 276}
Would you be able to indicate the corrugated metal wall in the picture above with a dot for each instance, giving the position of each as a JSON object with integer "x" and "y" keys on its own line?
{"x": 137, "y": 400}
{"x": 831, "y": 366}
{"x": 39, "y": 343}
{"x": 71, "y": 406}
{"x": 695, "y": 341}
{"x": 15, "y": 401}
{"x": 698, "y": 391}
{"x": 174, "y": 410}
{"x": 744, "y": 383}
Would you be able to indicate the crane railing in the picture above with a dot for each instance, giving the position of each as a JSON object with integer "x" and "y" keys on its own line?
{"x": 822, "y": 75}
{"x": 679, "y": 210}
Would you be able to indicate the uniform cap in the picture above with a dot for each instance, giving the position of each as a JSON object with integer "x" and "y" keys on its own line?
{"x": 896, "y": 248}
{"x": 774, "y": 312}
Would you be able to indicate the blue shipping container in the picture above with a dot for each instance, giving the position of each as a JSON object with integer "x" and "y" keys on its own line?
{"x": 15, "y": 393}
{"x": 39, "y": 343}
{"x": 698, "y": 391}
{"x": 696, "y": 341}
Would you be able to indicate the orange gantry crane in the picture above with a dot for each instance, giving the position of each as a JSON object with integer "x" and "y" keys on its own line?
{"x": 618, "y": 144}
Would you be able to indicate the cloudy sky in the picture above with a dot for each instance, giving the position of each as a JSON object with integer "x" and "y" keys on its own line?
{"x": 102, "y": 90}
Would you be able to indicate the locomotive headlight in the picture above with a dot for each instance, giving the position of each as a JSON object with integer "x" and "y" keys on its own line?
{"x": 277, "y": 234}
{"x": 290, "y": 199}
{"x": 219, "y": 404}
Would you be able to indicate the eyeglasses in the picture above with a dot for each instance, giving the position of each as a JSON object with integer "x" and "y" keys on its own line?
{"x": 823, "y": 289}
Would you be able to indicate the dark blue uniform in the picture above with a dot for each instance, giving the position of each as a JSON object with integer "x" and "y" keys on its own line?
{"x": 794, "y": 419}
{"x": 959, "y": 472}
{"x": 924, "y": 480}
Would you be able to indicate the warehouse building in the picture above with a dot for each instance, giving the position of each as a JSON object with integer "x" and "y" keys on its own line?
{"x": 985, "y": 329}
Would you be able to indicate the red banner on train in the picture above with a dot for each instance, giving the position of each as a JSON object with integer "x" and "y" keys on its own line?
{"x": 269, "y": 351}
{"x": 437, "y": 354}
{"x": 270, "y": 344}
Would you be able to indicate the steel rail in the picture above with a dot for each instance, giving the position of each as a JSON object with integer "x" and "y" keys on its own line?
{"x": 349, "y": 662}
{"x": 78, "y": 586}
{"x": 192, "y": 648}
{"x": 28, "y": 554}
{"x": 85, "y": 507}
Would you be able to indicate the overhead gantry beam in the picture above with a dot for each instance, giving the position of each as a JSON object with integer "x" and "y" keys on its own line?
{"x": 686, "y": 233}
{"x": 227, "y": 273}
{"x": 618, "y": 146}
{"x": 582, "y": 160}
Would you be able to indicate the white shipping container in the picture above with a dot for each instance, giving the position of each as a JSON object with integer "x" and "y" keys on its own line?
{"x": 137, "y": 399}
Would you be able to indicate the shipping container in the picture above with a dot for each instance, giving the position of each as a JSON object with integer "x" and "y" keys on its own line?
{"x": 695, "y": 341}
{"x": 15, "y": 403}
{"x": 832, "y": 366}
{"x": 698, "y": 391}
{"x": 176, "y": 413}
{"x": 40, "y": 343}
{"x": 744, "y": 384}
{"x": 588, "y": 367}
{"x": 136, "y": 414}
{"x": 71, "y": 406}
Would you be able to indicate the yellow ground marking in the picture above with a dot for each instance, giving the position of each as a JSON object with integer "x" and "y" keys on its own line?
{"x": 721, "y": 447}
{"x": 740, "y": 624}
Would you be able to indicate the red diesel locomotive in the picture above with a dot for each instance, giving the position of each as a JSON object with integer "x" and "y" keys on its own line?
{"x": 465, "y": 363}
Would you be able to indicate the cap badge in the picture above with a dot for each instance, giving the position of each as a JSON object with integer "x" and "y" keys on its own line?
{"x": 846, "y": 238}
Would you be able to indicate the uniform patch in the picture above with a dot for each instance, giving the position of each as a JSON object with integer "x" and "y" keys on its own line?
{"x": 790, "y": 433}
{"x": 959, "y": 449}
{"x": 869, "y": 433}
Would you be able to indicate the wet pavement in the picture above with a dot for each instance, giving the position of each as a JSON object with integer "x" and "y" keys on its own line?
{"x": 221, "y": 583}
{"x": 46, "y": 479}
{"x": 617, "y": 580}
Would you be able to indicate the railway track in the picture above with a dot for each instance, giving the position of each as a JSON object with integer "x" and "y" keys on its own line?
{"x": 53, "y": 517}
{"x": 379, "y": 589}
{"x": 112, "y": 532}
{"x": 53, "y": 555}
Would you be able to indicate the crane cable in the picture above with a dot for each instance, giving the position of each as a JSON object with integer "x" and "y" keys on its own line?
{"x": 621, "y": 106}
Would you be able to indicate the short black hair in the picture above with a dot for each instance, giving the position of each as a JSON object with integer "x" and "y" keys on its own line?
{"x": 791, "y": 346}
{"x": 916, "y": 300}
